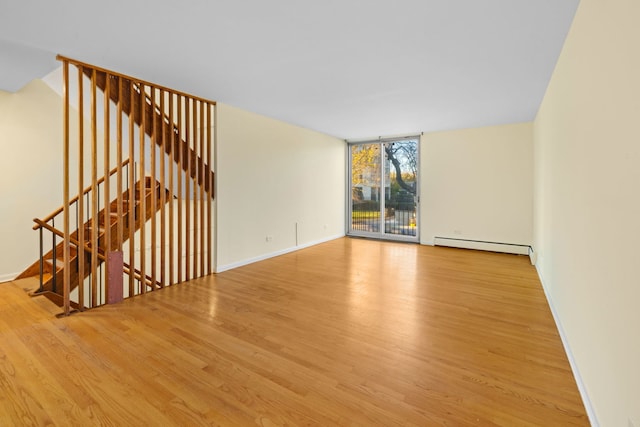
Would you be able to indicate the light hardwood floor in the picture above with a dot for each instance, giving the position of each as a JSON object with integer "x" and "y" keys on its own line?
{"x": 350, "y": 332}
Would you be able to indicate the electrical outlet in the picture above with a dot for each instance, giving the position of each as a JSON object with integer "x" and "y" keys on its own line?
{"x": 269, "y": 238}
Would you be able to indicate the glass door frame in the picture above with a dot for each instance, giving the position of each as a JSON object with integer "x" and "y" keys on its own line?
{"x": 381, "y": 233}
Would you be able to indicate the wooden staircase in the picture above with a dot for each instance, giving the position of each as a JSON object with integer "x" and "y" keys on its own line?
{"x": 131, "y": 96}
{"x": 52, "y": 262}
{"x": 144, "y": 129}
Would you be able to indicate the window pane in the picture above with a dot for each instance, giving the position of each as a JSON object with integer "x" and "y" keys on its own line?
{"x": 365, "y": 187}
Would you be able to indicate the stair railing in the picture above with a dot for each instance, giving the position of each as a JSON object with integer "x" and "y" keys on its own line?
{"x": 171, "y": 136}
{"x": 48, "y": 223}
{"x": 86, "y": 191}
{"x": 142, "y": 281}
{"x": 176, "y": 125}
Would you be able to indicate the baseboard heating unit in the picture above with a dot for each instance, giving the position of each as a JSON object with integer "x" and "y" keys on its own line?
{"x": 510, "y": 248}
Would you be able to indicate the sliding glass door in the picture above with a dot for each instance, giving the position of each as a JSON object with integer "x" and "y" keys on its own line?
{"x": 383, "y": 181}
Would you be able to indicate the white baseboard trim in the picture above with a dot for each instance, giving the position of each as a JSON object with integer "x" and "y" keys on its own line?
{"x": 533, "y": 256}
{"x": 572, "y": 362}
{"x": 509, "y": 248}
{"x": 225, "y": 267}
{"x": 8, "y": 277}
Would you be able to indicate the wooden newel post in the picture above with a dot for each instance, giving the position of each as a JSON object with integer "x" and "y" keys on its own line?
{"x": 115, "y": 267}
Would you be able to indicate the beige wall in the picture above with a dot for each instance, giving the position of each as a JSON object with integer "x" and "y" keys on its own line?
{"x": 30, "y": 175}
{"x": 271, "y": 176}
{"x": 587, "y": 217}
{"x": 477, "y": 184}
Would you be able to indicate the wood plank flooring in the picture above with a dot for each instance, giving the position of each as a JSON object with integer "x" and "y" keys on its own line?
{"x": 350, "y": 333}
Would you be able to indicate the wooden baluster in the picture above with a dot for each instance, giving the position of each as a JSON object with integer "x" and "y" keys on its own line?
{"x": 179, "y": 188}
{"x": 81, "y": 237}
{"x": 153, "y": 144}
{"x": 210, "y": 189}
{"x": 202, "y": 186}
{"x": 194, "y": 172}
{"x": 131, "y": 223}
{"x": 163, "y": 192}
{"x": 172, "y": 168}
{"x": 65, "y": 186}
{"x": 187, "y": 189}
{"x": 120, "y": 225}
{"x": 143, "y": 186}
{"x": 94, "y": 194}
{"x": 106, "y": 212}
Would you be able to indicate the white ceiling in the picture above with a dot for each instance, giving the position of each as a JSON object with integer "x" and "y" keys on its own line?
{"x": 349, "y": 68}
